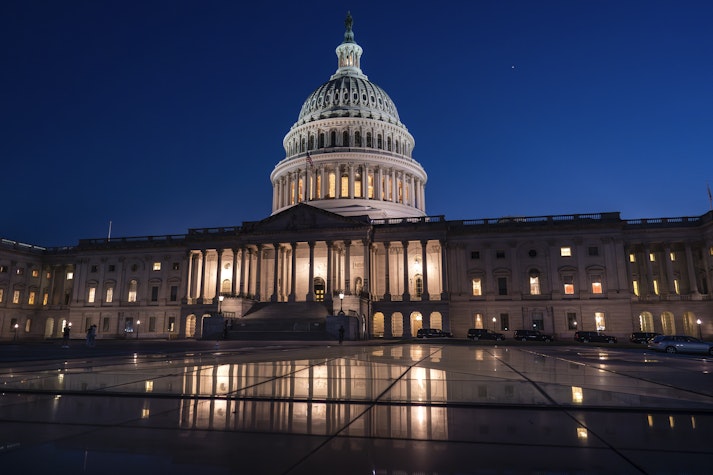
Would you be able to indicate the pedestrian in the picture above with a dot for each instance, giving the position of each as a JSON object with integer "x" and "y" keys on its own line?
{"x": 341, "y": 334}
{"x": 92, "y": 336}
{"x": 65, "y": 336}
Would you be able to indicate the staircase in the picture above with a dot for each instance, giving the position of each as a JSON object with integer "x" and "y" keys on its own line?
{"x": 282, "y": 321}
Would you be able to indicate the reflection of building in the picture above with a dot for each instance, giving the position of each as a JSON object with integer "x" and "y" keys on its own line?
{"x": 349, "y": 216}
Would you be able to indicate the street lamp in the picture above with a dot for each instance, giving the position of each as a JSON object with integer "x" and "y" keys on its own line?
{"x": 700, "y": 336}
{"x": 341, "y": 302}
{"x": 220, "y": 303}
{"x": 138, "y": 322}
{"x": 16, "y": 327}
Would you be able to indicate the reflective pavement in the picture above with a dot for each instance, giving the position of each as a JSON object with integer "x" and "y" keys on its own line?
{"x": 392, "y": 408}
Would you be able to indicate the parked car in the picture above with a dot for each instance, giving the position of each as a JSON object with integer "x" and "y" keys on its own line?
{"x": 484, "y": 334}
{"x": 680, "y": 343}
{"x": 532, "y": 335}
{"x": 432, "y": 333}
{"x": 642, "y": 337}
{"x": 586, "y": 337}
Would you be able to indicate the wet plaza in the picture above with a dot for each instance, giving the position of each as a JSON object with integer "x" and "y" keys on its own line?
{"x": 402, "y": 408}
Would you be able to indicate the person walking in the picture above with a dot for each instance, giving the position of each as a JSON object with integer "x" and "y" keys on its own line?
{"x": 341, "y": 334}
{"x": 65, "y": 336}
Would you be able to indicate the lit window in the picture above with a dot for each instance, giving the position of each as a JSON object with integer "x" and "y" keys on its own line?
{"x": 133, "y": 286}
{"x": 31, "y": 298}
{"x": 45, "y": 298}
{"x": 656, "y": 286}
{"x": 565, "y": 251}
{"x": 672, "y": 255}
{"x": 2, "y": 295}
{"x": 596, "y": 285}
{"x": 635, "y": 284}
{"x": 3, "y": 269}
{"x": 534, "y": 283}
{"x": 35, "y": 273}
{"x": 632, "y": 257}
{"x": 16, "y": 296}
{"x": 70, "y": 275}
{"x": 569, "y": 285}
{"x": 92, "y": 294}
{"x": 176, "y": 266}
{"x": 599, "y": 321}
{"x": 20, "y": 271}
{"x": 156, "y": 266}
{"x": 652, "y": 257}
{"x": 109, "y": 294}
{"x": 477, "y": 286}
{"x": 676, "y": 286}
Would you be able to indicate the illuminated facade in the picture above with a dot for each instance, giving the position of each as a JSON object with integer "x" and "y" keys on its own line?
{"x": 349, "y": 232}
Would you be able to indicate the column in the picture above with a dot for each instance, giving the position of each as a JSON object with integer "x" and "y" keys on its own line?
{"x": 347, "y": 266}
{"x": 394, "y": 198}
{"x": 234, "y": 282}
{"x": 405, "y": 295}
{"x": 351, "y": 181}
{"x": 310, "y": 292}
{"x": 322, "y": 182}
{"x": 424, "y": 265}
{"x": 387, "y": 290}
{"x": 669, "y": 269}
{"x": 444, "y": 271}
{"x": 293, "y": 277}
{"x": 367, "y": 267}
{"x": 379, "y": 185}
{"x": 649, "y": 271}
{"x": 242, "y": 271}
{"x": 250, "y": 273}
{"x": 330, "y": 284}
{"x": 189, "y": 276}
{"x": 338, "y": 180}
{"x": 365, "y": 181}
{"x": 275, "y": 272}
{"x": 218, "y": 272}
{"x": 201, "y": 284}
{"x": 693, "y": 284}
{"x": 258, "y": 273}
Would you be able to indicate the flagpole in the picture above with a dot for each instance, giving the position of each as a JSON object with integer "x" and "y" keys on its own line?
{"x": 710, "y": 198}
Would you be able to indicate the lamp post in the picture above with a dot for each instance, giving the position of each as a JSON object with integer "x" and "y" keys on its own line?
{"x": 220, "y": 303}
{"x": 341, "y": 302}
{"x": 138, "y": 322}
{"x": 700, "y": 335}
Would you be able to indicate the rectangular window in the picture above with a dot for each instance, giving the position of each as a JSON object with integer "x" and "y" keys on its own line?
{"x": 105, "y": 324}
{"x": 171, "y": 324}
{"x": 70, "y": 275}
{"x": 93, "y": 268}
{"x": 600, "y": 321}
{"x": 504, "y": 322}
{"x": 28, "y": 325}
{"x": 632, "y": 257}
{"x": 156, "y": 266}
{"x": 154, "y": 293}
{"x": 16, "y": 296}
{"x": 593, "y": 251}
{"x": 566, "y": 251}
{"x": 569, "y": 284}
{"x": 475, "y": 254}
{"x": 45, "y": 298}
{"x": 31, "y": 297}
{"x": 174, "y": 293}
{"x": 35, "y": 273}
{"x": 500, "y": 254}
{"x": 672, "y": 256}
{"x": 571, "y": 321}
{"x": 111, "y": 268}
{"x": 87, "y": 322}
{"x": 635, "y": 285}
{"x": 20, "y": 271}
{"x": 478, "y": 320}
{"x": 2, "y": 295}
{"x": 477, "y": 287}
{"x": 152, "y": 324}
{"x": 92, "y": 294}
{"x": 3, "y": 269}
{"x": 502, "y": 286}
{"x": 109, "y": 295}
{"x": 656, "y": 286}
{"x": 676, "y": 286}
{"x": 596, "y": 284}
{"x": 534, "y": 285}
{"x": 652, "y": 257}
{"x": 176, "y": 266}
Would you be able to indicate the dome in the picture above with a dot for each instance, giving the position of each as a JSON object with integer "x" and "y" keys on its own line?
{"x": 349, "y": 96}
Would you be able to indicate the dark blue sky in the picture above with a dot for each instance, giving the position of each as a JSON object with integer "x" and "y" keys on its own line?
{"x": 167, "y": 115}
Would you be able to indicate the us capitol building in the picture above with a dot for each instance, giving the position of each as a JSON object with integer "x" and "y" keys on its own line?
{"x": 349, "y": 241}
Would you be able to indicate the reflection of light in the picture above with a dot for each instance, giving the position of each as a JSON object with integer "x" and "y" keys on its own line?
{"x": 603, "y": 356}
{"x": 650, "y": 419}
{"x": 581, "y": 433}
{"x": 671, "y": 422}
{"x": 149, "y": 386}
{"x": 577, "y": 395}
{"x": 61, "y": 377}
{"x": 145, "y": 413}
{"x": 421, "y": 415}
{"x": 479, "y": 355}
{"x": 419, "y": 317}
{"x": 693, "y": 422}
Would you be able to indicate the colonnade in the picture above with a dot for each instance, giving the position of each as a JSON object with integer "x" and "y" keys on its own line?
{"x": 348, "y": 180}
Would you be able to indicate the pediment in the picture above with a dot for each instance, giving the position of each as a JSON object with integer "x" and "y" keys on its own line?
{"x": 303, "y": 217}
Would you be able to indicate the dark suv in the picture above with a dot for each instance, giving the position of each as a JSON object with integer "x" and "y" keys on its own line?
{"x": 432, "y": 333}
{"x": 532, "y": 335}
{"x": 642, "y": 337}
{"x": 483, "y": 334}
{"x": 586, "y": 337}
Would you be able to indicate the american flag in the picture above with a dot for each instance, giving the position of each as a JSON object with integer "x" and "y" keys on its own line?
{"x": 309, "y": 159}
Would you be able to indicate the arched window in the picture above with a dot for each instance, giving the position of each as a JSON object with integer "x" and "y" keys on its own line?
{"x": 333, "y": 139}
{"x": 319, "y": 288}
{"x": 225, "y": 286}
{"x": 368, "y": 139}
{"x": 321, "y": 140}
{"x": 388, "y": 144}
{"x": 534, "y": 282}
{"x": 418, "y": 286}
{"x": 302, "y": 145}
{"x": 310, "y": 145}
{"x": 357, "y": 139}
{"x": 398, "y": 149}
{"x": 379, "y": 142}
{"x": 345, "y": 139}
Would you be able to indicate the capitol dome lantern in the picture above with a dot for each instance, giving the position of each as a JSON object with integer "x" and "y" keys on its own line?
{"x": 348, "y": 152}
